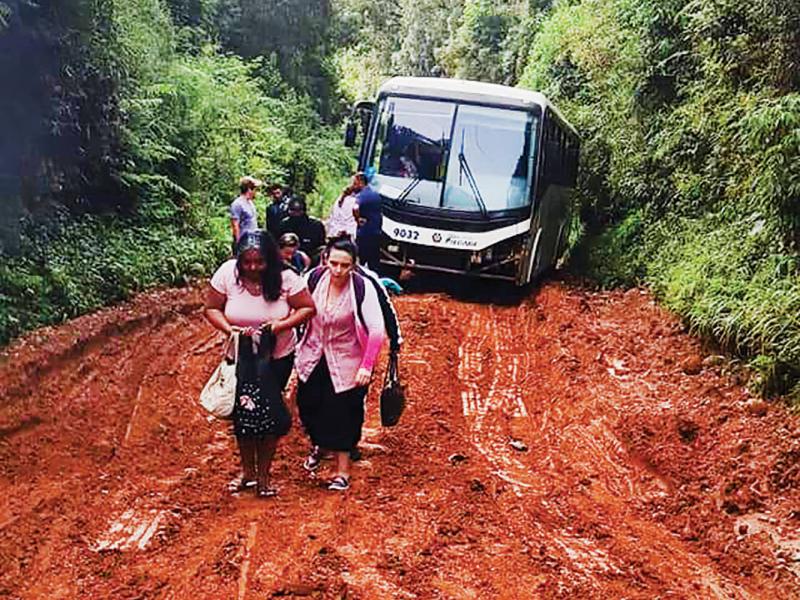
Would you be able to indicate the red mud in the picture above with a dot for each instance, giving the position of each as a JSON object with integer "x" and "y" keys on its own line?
{"x": 645, "y": 470}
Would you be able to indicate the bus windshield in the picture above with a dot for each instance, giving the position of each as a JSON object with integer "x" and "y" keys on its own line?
{"x": 487, "y": 165}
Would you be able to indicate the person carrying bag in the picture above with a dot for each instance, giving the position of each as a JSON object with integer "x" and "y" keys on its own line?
{"x": 256, "y": 294}
{"x": 219, "y": 394}
{"x": 335, "y": 359}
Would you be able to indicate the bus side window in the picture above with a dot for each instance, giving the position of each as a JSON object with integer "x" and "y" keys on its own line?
{"x": 547, "y": 146}
{"x": 554, "y": 157}
{"x": 573, "y": 162}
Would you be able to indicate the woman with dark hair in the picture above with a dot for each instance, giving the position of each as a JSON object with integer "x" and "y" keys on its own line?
{"x": 335, "y": 359}
{"x": 341, "y": 220}
{"x": 257, "y": 295}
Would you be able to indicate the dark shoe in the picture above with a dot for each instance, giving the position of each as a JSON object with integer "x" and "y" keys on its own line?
{"x": 339, "y": 483}
{"x": 266, "y": 491}
{"x": 311, "y": 463}
{"x": 240, "y": 484}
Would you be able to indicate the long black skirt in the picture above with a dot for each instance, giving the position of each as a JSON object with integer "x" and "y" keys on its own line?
{"x": 260, "y": 410}
{"x": 332, "y": 421}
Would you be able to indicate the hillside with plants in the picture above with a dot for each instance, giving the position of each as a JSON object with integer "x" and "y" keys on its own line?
{"x": 617, "y": 430}
{"x": 126, "y": 146}
{"x": 127, "y": 129}
{"x": 690, "y": 118}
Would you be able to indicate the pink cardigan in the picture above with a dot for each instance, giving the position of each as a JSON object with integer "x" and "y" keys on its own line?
{"x": 341, "y": 337}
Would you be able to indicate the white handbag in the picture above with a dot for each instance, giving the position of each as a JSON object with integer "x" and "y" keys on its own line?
{"x": 219, "y": 394}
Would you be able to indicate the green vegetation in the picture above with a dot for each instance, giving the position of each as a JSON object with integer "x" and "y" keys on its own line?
{"x": 127, "y": 143}
{"x": 473, "y": 39}
{"x": 121, "y": 178}
{"x": 691, "y": 118}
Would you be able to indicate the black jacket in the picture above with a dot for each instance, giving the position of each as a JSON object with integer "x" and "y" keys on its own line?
{"x": 311, "y": 232}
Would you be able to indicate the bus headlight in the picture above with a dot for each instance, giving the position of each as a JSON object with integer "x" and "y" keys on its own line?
{"x": 482, "y": 256}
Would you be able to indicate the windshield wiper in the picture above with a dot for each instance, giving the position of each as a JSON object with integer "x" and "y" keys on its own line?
{"x": 476, "y": 193}
{"x": 403, "y": 197}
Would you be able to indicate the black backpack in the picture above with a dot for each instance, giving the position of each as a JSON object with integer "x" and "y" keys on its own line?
{"x": 360, "y": 277}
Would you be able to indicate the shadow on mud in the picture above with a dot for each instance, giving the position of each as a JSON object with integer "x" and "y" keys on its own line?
{"x": 478, "y": 291}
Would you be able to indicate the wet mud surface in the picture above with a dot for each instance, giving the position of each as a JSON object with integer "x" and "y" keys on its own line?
{"x": 573, "y": 444}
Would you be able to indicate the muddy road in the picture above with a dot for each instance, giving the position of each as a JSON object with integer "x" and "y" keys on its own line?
{"x": 572, "y": 445}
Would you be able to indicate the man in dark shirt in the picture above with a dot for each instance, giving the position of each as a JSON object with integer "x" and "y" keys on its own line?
{"x": 311, "y": 231}
{"x": 276, "y": 211}
{"x": 369, "y": 216}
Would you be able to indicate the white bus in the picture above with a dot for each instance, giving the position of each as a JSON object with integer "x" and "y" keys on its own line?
{"x": 475, "y": 178}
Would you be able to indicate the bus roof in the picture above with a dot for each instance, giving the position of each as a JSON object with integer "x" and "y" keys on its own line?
{"x": 441, "y": 88}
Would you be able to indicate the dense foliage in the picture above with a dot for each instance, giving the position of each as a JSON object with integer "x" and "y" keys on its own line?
{"x": 127, "y": 149}
{"x": 691, "y": 118}
{"x": 473, "y": 39}
{"x": 292, "y": 35}
{"x": 131, "y": 120}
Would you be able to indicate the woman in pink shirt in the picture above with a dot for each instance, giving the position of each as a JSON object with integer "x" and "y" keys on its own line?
{"x": 335, "y": 359}
{"x": 265, "y": 300}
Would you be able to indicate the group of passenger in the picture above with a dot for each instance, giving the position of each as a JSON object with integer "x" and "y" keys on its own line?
{"x": 356, "y": 213}
{"x": 296, "y": 295}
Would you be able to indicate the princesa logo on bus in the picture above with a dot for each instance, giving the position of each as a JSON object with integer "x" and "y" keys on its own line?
{"x": 459, "y": 242}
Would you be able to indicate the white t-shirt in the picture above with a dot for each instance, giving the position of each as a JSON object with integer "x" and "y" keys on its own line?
{"x": 342, "y": 218}
{"x": 244, "y": 309}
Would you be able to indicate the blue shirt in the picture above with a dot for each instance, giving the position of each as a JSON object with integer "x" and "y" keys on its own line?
{"x": 369, "y": 208}
{"x": 244, "y": 211}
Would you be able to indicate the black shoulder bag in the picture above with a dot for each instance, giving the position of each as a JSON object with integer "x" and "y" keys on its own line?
{"x": 393, "y": 396}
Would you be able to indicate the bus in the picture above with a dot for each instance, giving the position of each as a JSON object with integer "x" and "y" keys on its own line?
{"x": 475, "y": 178}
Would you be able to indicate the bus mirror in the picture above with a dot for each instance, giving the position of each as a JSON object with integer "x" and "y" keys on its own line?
{"x": 350, "y": 134}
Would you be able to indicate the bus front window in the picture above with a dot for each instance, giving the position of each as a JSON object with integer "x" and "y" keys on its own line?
{"x": 411, "y": 149}
{"x": 491, "y": 163}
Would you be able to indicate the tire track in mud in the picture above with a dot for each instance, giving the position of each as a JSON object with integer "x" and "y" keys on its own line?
{"x": 492, "y": 404}
{"x": 97, "y": 422}
{"x": 489, "y": 414}
{"x": 484, "y": 410}
{"x": 112, "y": 481}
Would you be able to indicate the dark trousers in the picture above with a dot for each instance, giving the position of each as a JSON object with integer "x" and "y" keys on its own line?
{"x": 369, "y": 251}
{"x": 333, "y": 421}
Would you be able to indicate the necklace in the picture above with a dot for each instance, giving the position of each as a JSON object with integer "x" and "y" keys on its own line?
{"x": 252, "y": 287}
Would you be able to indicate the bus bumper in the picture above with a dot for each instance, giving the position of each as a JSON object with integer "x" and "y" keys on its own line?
{"x": 502, "y": 261}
